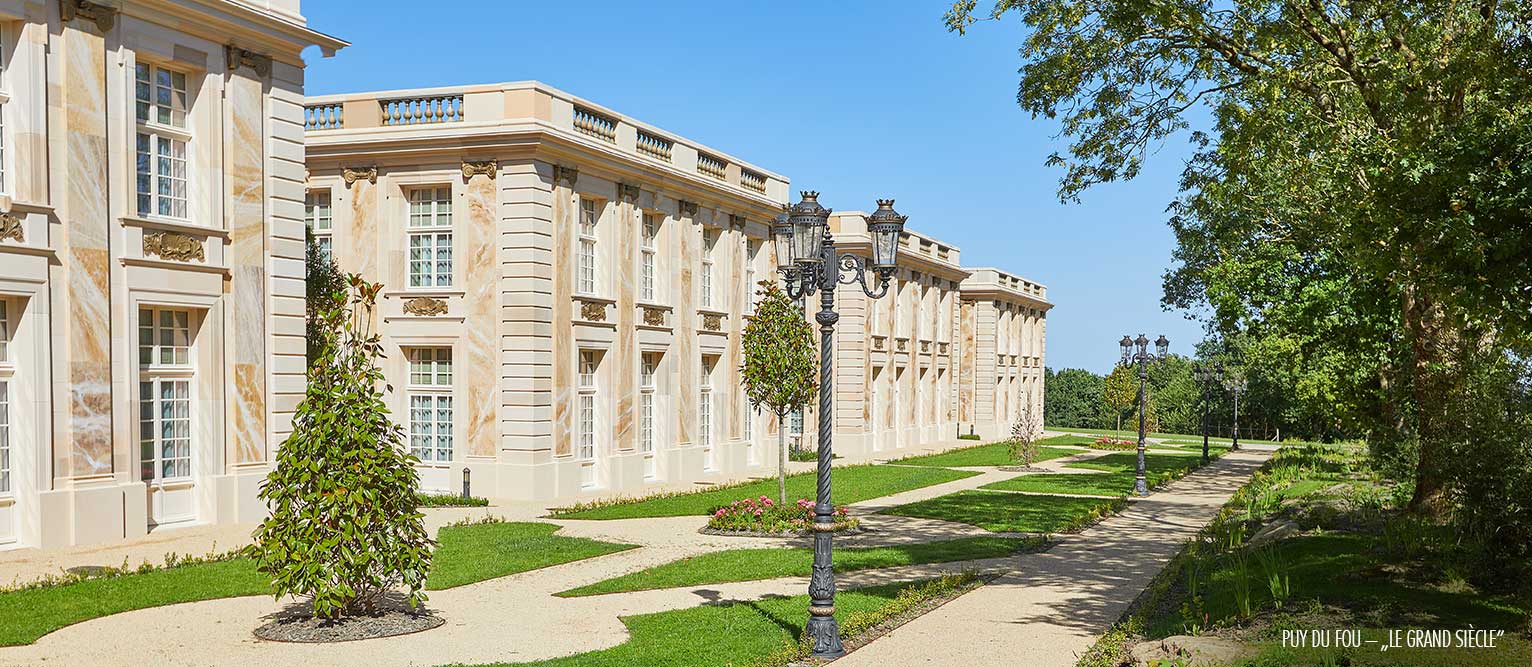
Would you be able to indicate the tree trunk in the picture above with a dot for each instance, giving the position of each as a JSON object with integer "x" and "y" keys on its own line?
{"x": 1430, "y": 390}
{"x": 782, "y": 458}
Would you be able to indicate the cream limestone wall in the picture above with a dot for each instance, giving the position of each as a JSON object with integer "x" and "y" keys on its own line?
{"x": 1003, "y": 376}
{"x": 515, "y": 316}
{"x": 77, "y": 261}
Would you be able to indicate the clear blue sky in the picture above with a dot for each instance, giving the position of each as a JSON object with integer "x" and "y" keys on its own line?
{"x": 858, "y": 100}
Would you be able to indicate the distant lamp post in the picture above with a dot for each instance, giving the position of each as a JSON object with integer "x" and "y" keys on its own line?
{"x": 1207, "y": 375}
{"x": 810, "y": 265}
{"x": 1236, "y": 385}
{"x": 1136, "y": 351}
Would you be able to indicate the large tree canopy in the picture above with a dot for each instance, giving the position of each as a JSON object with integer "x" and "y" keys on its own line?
{"x": 1362, "y": 190}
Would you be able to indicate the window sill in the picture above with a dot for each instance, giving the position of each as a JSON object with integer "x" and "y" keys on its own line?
{"x": 595, "y": 299}
{"x": 175, "y": 266}
{"x": 413, "y": 292}
{"x": 173, "y": 226}
{"x": 171, "y": 131}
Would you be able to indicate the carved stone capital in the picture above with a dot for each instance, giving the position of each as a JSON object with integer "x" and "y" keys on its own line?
{"x": 425, "y": 306}
{"x": 238, "y": 57}
{"x": 472, "y": 168}
{"x": 174, "y": 246}
{"x": 688, "y": 207}
{"x": 628, "y": 192}
{"x": 10, "y": 228}
{"x": 354, "y": 174}
{"x": 562, "y": 174}
{"x": 654, "y": 317}
{"x": 104, "y": 16}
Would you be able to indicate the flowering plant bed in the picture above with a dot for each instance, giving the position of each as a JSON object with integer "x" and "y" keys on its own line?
{"x": 764, "y": 516}
{"x": 1106, "y": 442}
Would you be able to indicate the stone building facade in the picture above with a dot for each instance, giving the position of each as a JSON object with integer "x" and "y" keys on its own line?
{"x": 151, "y": 271}
{"x": 1003, "y": 338}
{"x": 565, "y": 289}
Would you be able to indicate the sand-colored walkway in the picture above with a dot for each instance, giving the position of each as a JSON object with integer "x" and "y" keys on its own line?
{"x": 1054, "y": 604}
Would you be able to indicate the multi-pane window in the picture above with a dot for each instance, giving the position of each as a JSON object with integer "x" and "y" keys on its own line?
{"x": 590, "y": 214}
{"x": 160, "y": 101}
{"x": 748, "y": 426}
{"x": 4, "y": 97}
{"x": 705, "y": 404}
{"x": 588, "y": 364}
{"x": 709, "y": 238}
{"x": 648, "y": 260}
{"x": 430, "y": 237}
{"x": 317, "y": 216}
{"x": 647, "y": 383}
{"x": 795, "y": 423}
{"x": 751, "y": 248}
{"x": 430, "y": 400}
{"x": 5, "y": 396}
{"x": 164, "y": 393}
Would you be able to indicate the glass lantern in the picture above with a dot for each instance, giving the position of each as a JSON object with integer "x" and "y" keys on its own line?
{"x": 808, "y": 220}
{"x": 886, "y": 226}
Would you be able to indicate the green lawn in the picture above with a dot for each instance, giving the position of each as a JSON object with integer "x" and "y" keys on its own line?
{"x": 993, "y": 454}
{"x": 466, "y": 554}
{"x": 999, "y": 512}
{"x": 470, "y": 554}
{"x": 851, "y": 484}
{"x": 755, "y": 564}
{"x": 728, "y": 633}
{"x": 27, "y": 615}
{"x": 1154, "y": 462}
{"x": 1132, "y": 434}
{"x": 1092, "y": 484}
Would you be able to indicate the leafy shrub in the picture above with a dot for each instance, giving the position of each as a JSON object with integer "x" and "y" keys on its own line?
{"x": 345, "y": 528}
{"x": 450, "y": 500}
{"x": 764, "y": 515}
{"x": 968, "y": 436}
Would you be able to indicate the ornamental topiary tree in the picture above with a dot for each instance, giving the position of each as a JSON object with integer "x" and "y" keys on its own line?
{"x": 780, "y": 364}
{"x": 344, "y": 528}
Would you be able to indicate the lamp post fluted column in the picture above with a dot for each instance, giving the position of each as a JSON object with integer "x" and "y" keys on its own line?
{"x": 807, "y": 259}
{"x": 1141, "y": 357}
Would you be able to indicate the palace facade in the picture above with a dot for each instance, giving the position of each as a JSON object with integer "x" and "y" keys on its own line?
{"x": 566, "y": 287}
{"x": 151, "y": 261}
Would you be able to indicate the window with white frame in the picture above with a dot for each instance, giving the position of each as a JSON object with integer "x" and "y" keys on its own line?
{"x": 161, "y": 103}
{"x": 709, "y": 238}
{"x": 430, "y": 399}
{"x": 317, "y": 216}
{"x": 795, "y": 423}
{"x": 430, "y": 237}
{"x": 5, "y": 395}
{"x": 4, "y": 97}
{"x": 647, "y": 386}
{"x": 747, "y": 425}
{"x": 590, "y": 214}
{"x": 648, "y": 261}
{"x": 751, "y": 248}
{"x": 164, "y": 393}
{"x": 589, "y": 364}
{"x": 705, "y": 403}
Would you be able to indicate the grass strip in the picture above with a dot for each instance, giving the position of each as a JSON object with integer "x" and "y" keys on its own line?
{"x": 468, "y": 554}
{"x": 1013, "y": 512}
{"x": 851, "y": 484}
{"x": 993, "y": 454}
{"x": 755, "y": 564}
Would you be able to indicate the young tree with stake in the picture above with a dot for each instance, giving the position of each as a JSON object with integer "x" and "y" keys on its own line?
{"x": 780, "y": 368}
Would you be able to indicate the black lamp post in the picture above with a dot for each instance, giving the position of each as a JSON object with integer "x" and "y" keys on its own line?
{"x": 1207, "y": 374}
{"x": 1142, "y": 356}
{"x": 1236, "y": 385}
{"x": 807, "y": 260}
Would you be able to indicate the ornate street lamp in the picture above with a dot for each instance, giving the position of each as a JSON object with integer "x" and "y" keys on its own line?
{"x": 1136, "y": 351}
{"x": 1236, "y": 384}
{"x": 812, "y": 266}
{"x": 1207, "y": 374}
